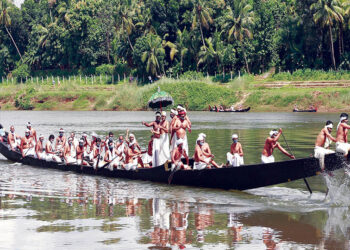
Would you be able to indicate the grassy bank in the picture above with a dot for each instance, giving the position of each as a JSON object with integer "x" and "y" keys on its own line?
{"x": 194, "y": 94}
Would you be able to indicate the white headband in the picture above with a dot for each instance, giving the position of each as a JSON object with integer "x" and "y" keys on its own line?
{"x": 202, "y": 135}
{"x": 234, "y": 136}
{"x": 329, "y": 126}
{"x": 273, "y": 132}
{"x": 343, "y": 118}
{"x": 173, "y": 111}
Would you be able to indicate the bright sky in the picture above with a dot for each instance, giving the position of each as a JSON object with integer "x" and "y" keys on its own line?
{"x": 18, "y": 2}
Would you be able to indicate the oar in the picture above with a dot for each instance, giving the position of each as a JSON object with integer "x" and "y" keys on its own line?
{"x": 109, "y": 162}
{"x": 306, "y": 183}
{"x": 172, "y": 174}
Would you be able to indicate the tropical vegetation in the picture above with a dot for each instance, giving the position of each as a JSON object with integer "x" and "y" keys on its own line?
{"x": 171, "y": 37}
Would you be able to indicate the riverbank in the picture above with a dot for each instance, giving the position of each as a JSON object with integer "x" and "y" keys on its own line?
{"x": 260, "y": 95}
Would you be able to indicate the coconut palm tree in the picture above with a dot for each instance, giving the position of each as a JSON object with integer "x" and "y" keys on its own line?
{"x": 208, "y": 54}
{"x": 326, "y": 12}
{"x": 5, "y": 20}
{"x": 238, "y": 24}
{"x": 154, "y": 53}
{"x": 201, "y": 17}
{"x": 124, "y": 22}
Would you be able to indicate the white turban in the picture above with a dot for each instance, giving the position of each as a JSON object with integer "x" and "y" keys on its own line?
{"x": 94, "y": 135}
{"x": 329, "y": 125}
{"x": 234, "y": 136}
{"x": 173, "y": 111}
{"x": 273, "y": 132}
{"x": 163, "y": 113}
{"x": 61, "y": 130}
{"x": 180, "y": 107}
{"x": 202, "y": 135}
{"x": 41, "y": 136}
{"x": 200, "y": 138}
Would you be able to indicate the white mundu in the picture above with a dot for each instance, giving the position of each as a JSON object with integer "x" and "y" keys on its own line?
{"x": 342, "y": 147}
{"x": 201, "y": 165}
{"x": 164, "y": 152}
{"x": 235, "y": 160}
{"x": 29, "y": 151}
{"x": 269, "y": 159}
{"x": 320, "y": 153}
{"x": 155, "y": 152}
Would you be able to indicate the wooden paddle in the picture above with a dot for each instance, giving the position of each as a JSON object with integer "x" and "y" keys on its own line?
{"x": 306, "y": 183}
{"x": 109, "y": 162}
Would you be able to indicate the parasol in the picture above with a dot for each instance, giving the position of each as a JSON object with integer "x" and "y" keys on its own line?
{"x": 160, "y": 100}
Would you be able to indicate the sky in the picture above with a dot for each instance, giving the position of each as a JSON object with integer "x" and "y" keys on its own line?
{"x": 18, "y": 2}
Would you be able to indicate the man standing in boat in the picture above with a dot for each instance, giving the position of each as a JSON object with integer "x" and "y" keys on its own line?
{"x": 32, "y": 132}
{"x": 270, "y": 144}
{"x": 164, "y": 154}
{"x": 156, "y": 139}
{"x": 180, "y": 126}
{"x": 173, "y": 116}
{"x": 14, "y": 140}
{"x": 235, "y": 156}
{"x": 342, "y": 146}
{"x": 323, "y": 140}
{"x": 60, "y": 141}
{"x": 27, "y": 145}
{"x": 39, "y": 149}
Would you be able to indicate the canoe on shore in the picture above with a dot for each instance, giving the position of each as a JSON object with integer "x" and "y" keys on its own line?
{"x": 238, "y": 178}
{"x": 306, "y": 110}
{"x": 239, "y": 110}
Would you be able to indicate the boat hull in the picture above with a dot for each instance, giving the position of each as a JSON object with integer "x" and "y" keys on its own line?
{"x": 232, "y": 111}
{"x": 312, "y": 110}
{"x": 239, "y": 178}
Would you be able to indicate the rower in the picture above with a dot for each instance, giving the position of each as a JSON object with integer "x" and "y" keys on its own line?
{"x": 87, "y": 143}
{"x": 32, "y": 132}
{"x": 27, "y": 145}
{"x": 121, "y": 147}
{"x": 147, "y": 154}
{"x": 14, "y": 140}
{"x": 181, "y": 125}
{"x": 131, "y": 139}
{"x": 80, "y": 151}
{"x": 323, "y": 140}
{"x": 108, "y": 139}
{"x": 164, "y": 154}
{"x": 235, "y": 156}
{"x": 50, "y": 153}
{"x": 342, "y": 146}
{"x": 96, "y": 154}
{"x": 69, "y": 151}
{"x": 92, "y": 145}
{"x": 75, "y": 140}
{"x": 202, "y": 155}
{"x": 132, "y": 158}
{"x": 176, "y": 156}
{"x": 173, "y": 116}
{"x": 60, "y": 141}
{"x": 270, "y": 144}
{"x": 156, "y": 139}
{"x": 39, "y": 149}
{"x": 111, "y": 156}
{"x": 2, "y": 133}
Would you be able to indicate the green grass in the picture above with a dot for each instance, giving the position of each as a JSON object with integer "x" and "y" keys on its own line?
{"x": 311, "y": 75}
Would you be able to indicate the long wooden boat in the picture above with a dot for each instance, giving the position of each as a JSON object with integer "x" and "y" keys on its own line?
{"x": 306, "y": 110}
{"x": 231, "y": 111}
{"x": 239, "y": 178}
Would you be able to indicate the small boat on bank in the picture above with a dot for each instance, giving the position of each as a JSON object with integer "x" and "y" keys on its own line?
{"x": 305, "y": 110}
{"x": 228, "y": 110}
{"x": 238, "y": 178}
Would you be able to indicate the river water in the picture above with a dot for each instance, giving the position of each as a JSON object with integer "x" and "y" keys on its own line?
{"x": 48, "y": 209}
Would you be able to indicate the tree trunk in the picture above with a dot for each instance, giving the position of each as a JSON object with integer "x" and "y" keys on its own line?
{"x": 332, "y": 47}
{"x": 19, "y": 53}
{"x": 339, "y": 41}
{"x": 200, "y": 27}
{"x": 108, "y": 48}
{"x": 245, "y": 59}
{"x": 132, "y": 48}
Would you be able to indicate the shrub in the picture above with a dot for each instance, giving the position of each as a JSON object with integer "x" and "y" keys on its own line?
{"x": 21, "y": 72}
{"x": 105, "y": 69}
{"x": 192, "y": 75}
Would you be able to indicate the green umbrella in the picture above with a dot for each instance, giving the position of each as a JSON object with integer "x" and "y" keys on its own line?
{"x": 160, "y": 99}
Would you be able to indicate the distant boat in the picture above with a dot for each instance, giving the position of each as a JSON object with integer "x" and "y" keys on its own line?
{"x": 305, "y": 110}
{"x": 228, "y": 110}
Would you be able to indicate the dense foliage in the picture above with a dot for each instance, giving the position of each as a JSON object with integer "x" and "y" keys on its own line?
{"x": 155, "y": 37}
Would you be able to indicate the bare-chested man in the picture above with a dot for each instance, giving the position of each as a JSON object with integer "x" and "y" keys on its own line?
{"x": 173, "y": 116}
{"x": 156, "y": 139}
{"x": 69, "y": 152}
{"x": 50, "y": 153}
{"x": 14, "y": 140}
{"x": 181, "y": 125}
{"x": 131, "y": 139}
{"x": 203, "y": 159}
{"x": 96, "y": 153}
{"x": 235, "y": 156}
{"x": 147, "y": 154}
{"x": 270, "y": 144}
{"x": 60, "y": 141}
{"x": 32, "y": 132}
{"x": 323, "y": 140}
{"x": 80, "y": 151}
{"x": 112, "y": 156}
{"x": 27, "y": 145}
{"x": 39, "y": 149}
{"x": 342, "y": 146}
{"x": 176, "y": 156}
{"x": 132, "y": 157}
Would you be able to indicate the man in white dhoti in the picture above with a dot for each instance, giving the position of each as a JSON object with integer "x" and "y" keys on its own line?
{"x": 147, "y": 154}
{"x": 32, "y": 132}
{"x": 69, "y": 151}
{"x": 176, "y": 156}
{"x": 112, "y": 156}
{"x": 50, "y": 153}
{"x": 323, "y": 140}
{"x": 342, "y": 146}
{"x": 270, "y": 144}
{"x": 27, "y": 145}
{"x": 173, "y": 116}
{"x": 235, "y": 156}
{"x": 156, "y": 139}
{"x": 202, "y": 160}
{"x": 14, "y": 140}
{"x": 164, "y": 154}
{"x": 180, "y": 126}
{"x": 39, "y": 149}
{"x": 60, "y": 141}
